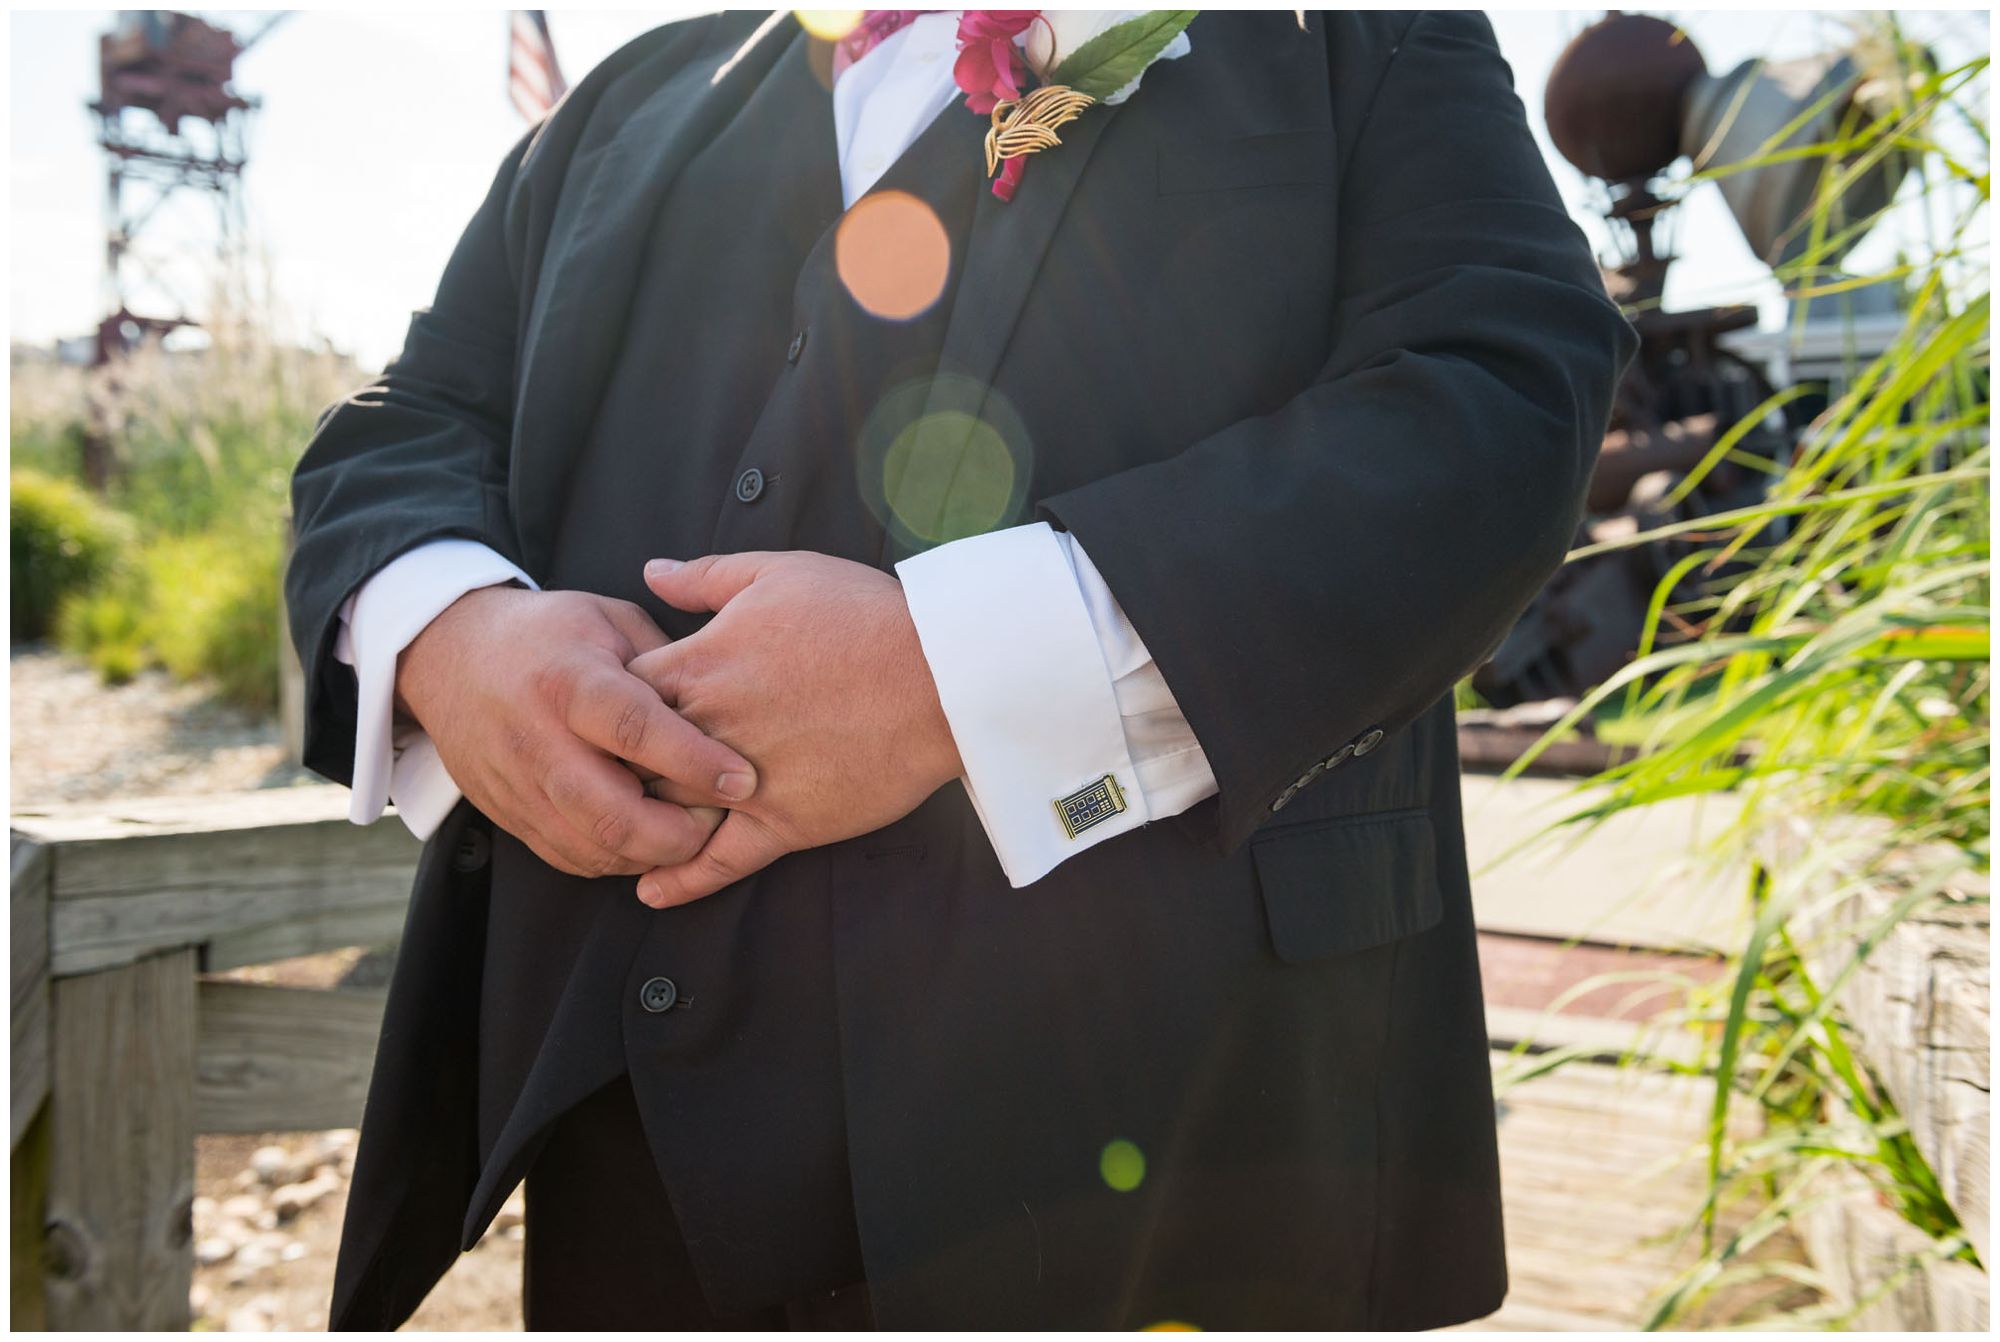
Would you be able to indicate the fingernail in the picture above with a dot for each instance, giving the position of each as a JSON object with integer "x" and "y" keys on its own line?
{"x": 660, "y": 568}
{"x": 649, "y": 893}
{"x": 736, "y": 786}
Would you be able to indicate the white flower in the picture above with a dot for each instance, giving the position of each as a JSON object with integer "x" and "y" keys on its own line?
{"x": 1073, "y": 27}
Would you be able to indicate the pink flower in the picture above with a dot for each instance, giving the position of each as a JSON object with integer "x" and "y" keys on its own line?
{"x": 1010, "y": 176}
{"x": 989, "y": 66}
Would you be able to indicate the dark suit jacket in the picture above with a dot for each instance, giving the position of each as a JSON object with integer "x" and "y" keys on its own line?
{"x": 1329, "y": 364}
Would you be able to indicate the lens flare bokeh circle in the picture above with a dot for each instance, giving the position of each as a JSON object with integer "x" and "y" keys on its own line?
{"x": 829, "y": 25}
{"x": 1122, "y": 1165}
{"x": 892, "y": 254}
{"x": 941, "y": 458}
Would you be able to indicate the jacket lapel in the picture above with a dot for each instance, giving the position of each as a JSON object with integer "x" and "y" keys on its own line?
{"x": 585, "y": 294}
{"x": 1003, "y": 255}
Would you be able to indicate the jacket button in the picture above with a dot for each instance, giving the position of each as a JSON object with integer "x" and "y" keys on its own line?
{"x": 749, "y": 485}
{"x": 472, "y": 851}
{"x": 1368, "y": 742}
{"x": 658, "y": 994}
{"x": 793, "y": 350}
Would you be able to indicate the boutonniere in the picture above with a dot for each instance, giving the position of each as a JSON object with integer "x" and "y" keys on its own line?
{"x": 1073, "y": 59}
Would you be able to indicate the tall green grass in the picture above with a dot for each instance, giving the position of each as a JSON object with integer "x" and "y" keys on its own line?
{"x": 204, "y": 446}
{"x": 1841, "y": 689}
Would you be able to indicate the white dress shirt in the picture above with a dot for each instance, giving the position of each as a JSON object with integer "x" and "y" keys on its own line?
{"x": 1046, "y": 686}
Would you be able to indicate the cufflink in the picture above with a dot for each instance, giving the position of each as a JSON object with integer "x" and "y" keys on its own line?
{"x": 1092, "y": 804}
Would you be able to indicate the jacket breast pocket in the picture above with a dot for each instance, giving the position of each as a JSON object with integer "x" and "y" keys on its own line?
{"x": 1277, "y": 158}
{"x": 1348, "y": 883}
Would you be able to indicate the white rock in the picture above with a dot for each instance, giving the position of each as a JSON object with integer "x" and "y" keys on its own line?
{"x": 289, "y": 1201}
{"x": 248, "y": 1319}
{"x": 273, "y": 1164}
{"x": 243, "y": 1207}
{"x": 262, "y": 1251}
{"x": 214, "y": 1249}
{"x": 255, "y": 1315}
{"x": 204, "y": 1207}
{"x": 293, "y": 1252}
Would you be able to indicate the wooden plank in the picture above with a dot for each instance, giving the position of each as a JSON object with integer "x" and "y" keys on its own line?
{"x": 1638, "y": 879}
{"x": 1607, "y": 1040}
{"x": 310, "y": 933}
{"x": 271, "y": 1059}
{"x": 1860, "y": 1244}
{"x": 1918, "y": 1010}
{"x": 28, "y": 1194}
{"x": 276, "y": 872}
{"x": 1597, "y": 1172}
{"x": 119, "y": 1250}
{"x": 1483, "y": 746}
{"x": 28, "y": 974}
{"x": 291, "y": 676}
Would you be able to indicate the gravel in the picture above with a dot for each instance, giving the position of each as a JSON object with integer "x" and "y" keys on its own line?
{"x": 76, "y": 739}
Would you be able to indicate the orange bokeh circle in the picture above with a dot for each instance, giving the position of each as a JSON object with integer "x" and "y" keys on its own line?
{"x": 892, "y": 254}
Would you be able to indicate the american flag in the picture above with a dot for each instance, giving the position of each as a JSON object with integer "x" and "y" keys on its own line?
{"x": 534, "y": 80}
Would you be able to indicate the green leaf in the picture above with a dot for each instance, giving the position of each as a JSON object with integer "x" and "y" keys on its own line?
{"x": 1117, "y": 56}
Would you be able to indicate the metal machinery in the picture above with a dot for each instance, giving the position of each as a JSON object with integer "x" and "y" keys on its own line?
{"x": 1627, "y": 98}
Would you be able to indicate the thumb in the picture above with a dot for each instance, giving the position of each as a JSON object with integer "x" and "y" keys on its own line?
{"x": 741, "y": 846}
{"x": 707, "y": 583}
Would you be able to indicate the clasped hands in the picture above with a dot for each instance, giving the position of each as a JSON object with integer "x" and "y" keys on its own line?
{"x": 803, "y": 713}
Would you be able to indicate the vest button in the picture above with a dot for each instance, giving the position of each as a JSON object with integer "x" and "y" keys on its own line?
{"x": 797, "y": 346}
{"x": 749, "y": 485}
{"x": 472, "y": 851}
{"x": 658, "y": 994}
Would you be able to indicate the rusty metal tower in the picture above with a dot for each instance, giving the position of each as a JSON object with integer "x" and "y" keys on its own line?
{"x": 169, "y": 123}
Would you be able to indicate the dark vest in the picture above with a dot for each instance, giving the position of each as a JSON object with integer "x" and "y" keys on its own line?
{"x": 754, "y": 406}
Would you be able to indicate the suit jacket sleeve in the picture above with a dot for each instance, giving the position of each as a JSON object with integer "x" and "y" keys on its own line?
{"x": 419, "y": 454}
{"x": 1306, "y": 576}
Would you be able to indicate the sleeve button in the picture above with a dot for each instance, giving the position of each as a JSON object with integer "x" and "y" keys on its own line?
{"x": 750, "y": 486}
{"x": 1368, "y": 742}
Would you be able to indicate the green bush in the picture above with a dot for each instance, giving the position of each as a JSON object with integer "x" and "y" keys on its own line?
{"x": 202, "y": 606}
{"x": 62, "y": 540}
{"x": 212, "y": 610}
{"x": 107, "y": 629}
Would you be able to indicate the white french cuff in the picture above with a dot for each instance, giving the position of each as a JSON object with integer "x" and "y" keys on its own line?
{"x": 1022, "y": 677}
{"x": 397, "y": 761}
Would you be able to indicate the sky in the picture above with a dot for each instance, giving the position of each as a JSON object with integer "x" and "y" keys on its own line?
{"x": 378, "y": 132}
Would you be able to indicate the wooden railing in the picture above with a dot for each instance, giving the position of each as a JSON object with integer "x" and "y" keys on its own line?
{"x": 123, "y": 1051}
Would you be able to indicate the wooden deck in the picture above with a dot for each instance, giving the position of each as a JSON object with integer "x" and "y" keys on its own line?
{"x": 1600, "y": 1168}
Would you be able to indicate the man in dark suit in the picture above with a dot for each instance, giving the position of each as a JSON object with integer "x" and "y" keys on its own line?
{"x": 1295, "y": 364}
